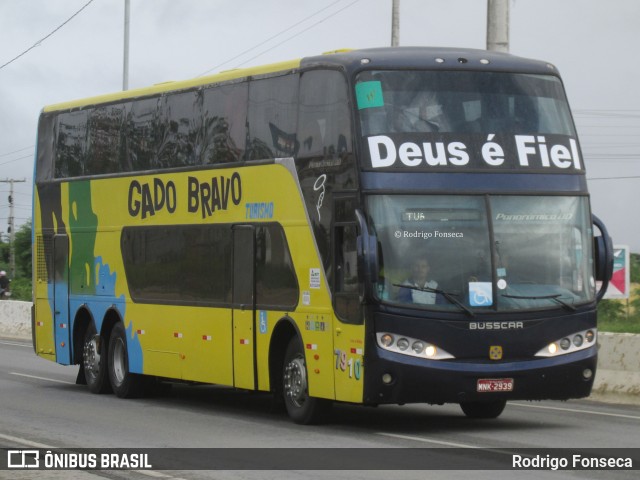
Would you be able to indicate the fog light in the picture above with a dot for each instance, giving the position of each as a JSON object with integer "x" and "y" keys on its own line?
{"x": 577, "y": 340}
{"x": 387, "y": 378}
{"x": 565, "y": 343}
{"x": 587, "y": 373}
{"x": 386, "y": 340}
{"x": 403, "y": 344}
{"x": 431, "y": 351}
{"x": 418, "y": 347}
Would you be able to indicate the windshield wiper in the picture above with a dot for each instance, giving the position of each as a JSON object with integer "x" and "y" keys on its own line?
{"x": 449, "y": 296}
{"x": 555, "y": 298}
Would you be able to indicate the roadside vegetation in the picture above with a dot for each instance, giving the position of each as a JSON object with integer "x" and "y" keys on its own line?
{"x": 21, "y": 282}
{"x": 623, "y": 315}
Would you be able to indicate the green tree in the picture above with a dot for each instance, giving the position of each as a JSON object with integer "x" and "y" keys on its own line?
{"x": 611, "y": 311}
{"x": 22, "y": 247}
{"x": 635, "y": 268}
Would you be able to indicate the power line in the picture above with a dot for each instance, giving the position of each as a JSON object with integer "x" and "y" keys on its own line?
{"x": 39, "y": 42}
{"x": 299, "y": 33}
{"x": 614, "y": 178}
{"x": 281, "y": 33}
{"x": 16, "y": 151}
{"x": 16, "y": 159}
{"x": 270, "y": 38}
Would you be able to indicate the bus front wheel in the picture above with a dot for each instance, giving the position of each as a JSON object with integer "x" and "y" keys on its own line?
{"x": 483, "y": 409}
{"x": 124, "y": 383}
{"x": 301, "y": 407}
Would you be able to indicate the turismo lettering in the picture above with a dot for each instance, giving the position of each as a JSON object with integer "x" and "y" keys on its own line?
{"x": 519, "y": 151}
{"x": 259, "y": 210}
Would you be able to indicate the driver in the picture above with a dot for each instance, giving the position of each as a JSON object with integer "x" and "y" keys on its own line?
{"x": 418, "y": 279}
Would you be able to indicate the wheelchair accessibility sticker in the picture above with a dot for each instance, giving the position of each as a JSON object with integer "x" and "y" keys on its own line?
{"x": 480, "y": 294}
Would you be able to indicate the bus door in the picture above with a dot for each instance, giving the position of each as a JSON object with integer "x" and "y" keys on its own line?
{"x": 244, "y": 335}
{"x": 61, "y": 326}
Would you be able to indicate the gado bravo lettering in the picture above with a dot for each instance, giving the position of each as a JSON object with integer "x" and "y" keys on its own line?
{"x": 453, "y": 152}
{"x": 145, "y": 199}
{"x": 209, "y": 197}
{"x": 148, "y": 198}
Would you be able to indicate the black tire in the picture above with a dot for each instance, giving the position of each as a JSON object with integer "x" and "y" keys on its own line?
{"x": 94, "y": 361}
{"x": 124, "y": 383}
{"x": 301, "y": 408}
{"x": 483, "y": 409}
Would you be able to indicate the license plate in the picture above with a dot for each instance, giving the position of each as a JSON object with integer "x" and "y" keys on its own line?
{"x": 495, "y": 385}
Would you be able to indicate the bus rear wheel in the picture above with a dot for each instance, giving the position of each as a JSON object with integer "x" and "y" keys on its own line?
{"x": 483, "y": 409}
{"x": 301, "y": 407}
{"x": 94, "y": 361}
{"x": 124, "y": 383}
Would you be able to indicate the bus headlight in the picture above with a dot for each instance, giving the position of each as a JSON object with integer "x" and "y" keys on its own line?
{"x": 569, "y": 344}
{"x": 419, "y": 348}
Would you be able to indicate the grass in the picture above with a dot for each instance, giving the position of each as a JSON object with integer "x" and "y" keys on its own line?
{"x": 621, "y": 316}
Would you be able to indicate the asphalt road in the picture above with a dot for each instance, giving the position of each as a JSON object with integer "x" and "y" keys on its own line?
{"x": 41, "y": 407}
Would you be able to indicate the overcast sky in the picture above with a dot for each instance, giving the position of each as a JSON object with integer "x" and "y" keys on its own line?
{"x": 592, "y": 42}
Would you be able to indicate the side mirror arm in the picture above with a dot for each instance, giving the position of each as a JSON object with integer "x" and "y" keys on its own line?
{"x": 603, "y": 250}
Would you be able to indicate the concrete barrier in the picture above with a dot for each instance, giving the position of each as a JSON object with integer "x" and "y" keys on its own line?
{"x": 617, "y": 379}
{"x": 15, "y": 319}
{"x": 618, "y": 375}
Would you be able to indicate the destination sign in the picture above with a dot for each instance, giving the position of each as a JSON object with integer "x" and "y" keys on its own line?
{"x": 458, "y": 152}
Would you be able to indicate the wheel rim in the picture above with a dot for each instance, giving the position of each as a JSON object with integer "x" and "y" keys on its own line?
{"x": 91, "y": 357}
{"x": 295, "y": 382}
{"x": 119, "y": 362}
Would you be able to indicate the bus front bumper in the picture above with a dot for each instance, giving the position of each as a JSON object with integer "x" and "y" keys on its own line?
{"x": 396, "y": 379}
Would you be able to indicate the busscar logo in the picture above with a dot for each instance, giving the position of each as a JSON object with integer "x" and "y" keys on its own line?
{"x": 495, "y": 325}
{"x": 23, "y": 459}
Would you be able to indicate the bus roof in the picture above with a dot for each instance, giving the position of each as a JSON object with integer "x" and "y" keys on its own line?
{"x": 432, "y": 58}
{"x": 225, "y": 76}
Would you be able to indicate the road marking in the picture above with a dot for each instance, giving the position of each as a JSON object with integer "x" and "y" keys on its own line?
{"x": 426, "y": 440}
{"x": 41, "y": 378}
{"x": 24, "y": 441}
{"x": 575, "y": 410}
{"x": 16, "y": 344}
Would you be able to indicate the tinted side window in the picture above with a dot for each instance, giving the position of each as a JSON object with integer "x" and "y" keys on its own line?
{"x": 224, "y": 123}
{"x": 186, "y": 264}
{"x": 71, "y": 151}
{"x": 272, "y": 117}
{"x": 141, "y": 134}
{"x": 178, "y": 129}
{"x": 105, "y": 139}
{"x": 276, "y": 284}
{"x": 347, "y": 302}
{"x": 325, "y": 124}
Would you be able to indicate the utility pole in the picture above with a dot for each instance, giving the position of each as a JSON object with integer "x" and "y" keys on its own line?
{"x": 125, "y": 68}
{"x": 12, "y": 227}
{"x": 395, "y": 23}
{"x": 498, "y": 25}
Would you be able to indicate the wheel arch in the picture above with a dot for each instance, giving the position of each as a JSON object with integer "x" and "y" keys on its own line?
{"x": 84, "y": 317}
{"x": 283, "y": 332}
{"x": 82, "y": 320}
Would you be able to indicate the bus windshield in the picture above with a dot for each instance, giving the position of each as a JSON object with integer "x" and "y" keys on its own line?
{"x": 461, "y": 102}
{"x": 453, "y": 121}
{"x": 483, "y": 253}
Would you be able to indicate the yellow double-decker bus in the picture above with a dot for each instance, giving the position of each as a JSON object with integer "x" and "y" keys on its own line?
{"x": 270, "y": 228}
